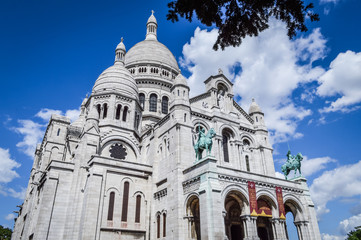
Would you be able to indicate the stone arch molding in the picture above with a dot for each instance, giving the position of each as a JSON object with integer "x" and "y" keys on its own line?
{"x": 244, "y": 197}
{"x": 296, "y": 207}
{"x": 270, "y": 197}
{"x": 224, "y": 127}
{"x": 202, "y": 122}
{"x": 131, "y": 149}
{"x": 247, "y": 136}
{"x": 186, "y": 201}
{"x": 237, "y": 188}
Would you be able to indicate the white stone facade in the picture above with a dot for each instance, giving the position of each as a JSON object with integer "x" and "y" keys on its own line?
{"x": 126, "y": 169}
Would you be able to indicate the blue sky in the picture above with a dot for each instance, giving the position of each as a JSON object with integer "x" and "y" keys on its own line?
{"x": 309, "y": 87}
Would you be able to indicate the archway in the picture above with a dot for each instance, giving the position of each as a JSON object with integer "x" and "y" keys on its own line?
{"x": 194, "y": 226}
{"x": 293, "y": 215}
{"x": 291, "y": 230}
{"x": 264, "y": 227}
{"x": 234, "y": 205}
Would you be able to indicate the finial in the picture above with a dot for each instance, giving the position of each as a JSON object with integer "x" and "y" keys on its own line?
{"x": 220, "y": 71}
{"x": 152, "y": 12}
{"x": 253, "y": 100}
{"x": 86, "y": 96}
{"x": 121, "y": 39}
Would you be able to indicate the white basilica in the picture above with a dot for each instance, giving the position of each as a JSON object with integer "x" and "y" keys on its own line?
{"x": 127, "y": 168}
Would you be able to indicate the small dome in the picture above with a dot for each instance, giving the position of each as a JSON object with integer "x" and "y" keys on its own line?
{"x": 118, "y": 78}
{"x": 121, "y": 46}
{"x": 151, "y": 52}
{"x": 152, "y": 19}
{"x": 180, "y": 80}
{"x": 254, "y": 108}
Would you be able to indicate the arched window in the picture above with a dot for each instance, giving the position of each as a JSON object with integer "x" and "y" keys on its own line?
{"x": 164, "y": 224}
{"x": 165, "y": 105}
{"x": 125, "y": 202}
{"x": 153, "y": 103}
{"x": 225, "y": 140}
{"x": 142, "y": 100}
{"x": 247, "y": 163}
{"x": 137, "y": 209}
{"x": 57, "y": 134}
{"x": 137, "y": 120}
{"x": 111, "y": 206}
{"x": 117, "y": 113}
{"x": 125, "y": 111}
{"x": 158, "y": 226}
{"x": 99, "y": 109}
{"x": 246, "y": 142}
{"x": 105, "y": 110}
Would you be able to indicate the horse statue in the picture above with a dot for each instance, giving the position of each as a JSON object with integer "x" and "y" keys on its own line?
{"x": 293, "y": 163}
{"x": 204, "y": 142}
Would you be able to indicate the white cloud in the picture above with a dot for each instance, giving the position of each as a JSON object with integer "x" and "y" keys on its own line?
{"x": 32, "y": 134}
{"x": 20, "y": 195}
{"x": 313, "y": 165}
{"x": 45, "y": 113}
{"x": 349, "y": 224}
{"x": 10, "y": 216}
{"x": 280, "y": 175}
{"x": 33, "y": 131}
{"x": 7, "y": 172}
{"x": 344, "y": 181}
{"x": 342, "y": 80}
{"x": 272, "y": 67}
{"x": 326, "y": 236}
{"x": 73, "y": 114}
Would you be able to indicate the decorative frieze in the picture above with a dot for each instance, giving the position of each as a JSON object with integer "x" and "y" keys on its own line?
{"x": 191, "y": 184}
{"x": 160, "y": 194}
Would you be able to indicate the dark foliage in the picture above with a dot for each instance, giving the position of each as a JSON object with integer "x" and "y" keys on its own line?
{"x": 5, "y": 233}
{"x": 237, "y": 19}
{"x": 354, "y": 234}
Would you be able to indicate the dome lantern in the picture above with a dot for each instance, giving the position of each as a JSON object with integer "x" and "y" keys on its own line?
{"x": 120, "y": 52}
{"x": 151, "y": 28}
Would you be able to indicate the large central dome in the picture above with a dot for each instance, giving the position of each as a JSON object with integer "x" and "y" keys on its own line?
{"x": 150, "y": 51}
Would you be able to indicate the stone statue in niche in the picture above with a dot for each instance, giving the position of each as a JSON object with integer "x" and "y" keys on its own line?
{"x": 220, "y": 99}
{"x": 118, "y": 151}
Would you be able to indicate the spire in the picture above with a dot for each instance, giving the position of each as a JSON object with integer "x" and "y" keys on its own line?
{"x": 254, "y": 108}
{"x": 151, "y": 28}
{"x": 120, "y": 52}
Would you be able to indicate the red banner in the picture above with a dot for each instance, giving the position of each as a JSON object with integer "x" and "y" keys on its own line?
{"x": 252, "y": 198}
{"x": 281, "y": 206}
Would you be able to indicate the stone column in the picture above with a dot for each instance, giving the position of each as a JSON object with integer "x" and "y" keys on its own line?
{"x": 49, "y": 190}
{"x": 91, "y": 209}
{"x": 210, "y": 202}
{"x": 250, "y": 227}
{"x": 302, "y": 229}
{"x": 282, "y": 229}
{"x": 299, "y": 231}
{"x": 278, "y": 229}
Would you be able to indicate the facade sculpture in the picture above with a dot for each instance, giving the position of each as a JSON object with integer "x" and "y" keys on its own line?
{"x": 204, "y": 142}
{"x": 125, "y": 168}
{"x": 292, "y": 163}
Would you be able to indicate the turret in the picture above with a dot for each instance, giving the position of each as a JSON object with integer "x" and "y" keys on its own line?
{"x": 256, "y": 113}
{"x": 180, "y": 91}
{"x": 151, "y": 28}
{"x": 120, "y": 52}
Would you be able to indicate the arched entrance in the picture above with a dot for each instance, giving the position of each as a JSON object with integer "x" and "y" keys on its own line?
{"x": 194, "y": 226}
{"x": 234, "y": 205}
{"x": 293, "y": 212}
{"x": 264, "y": 227}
